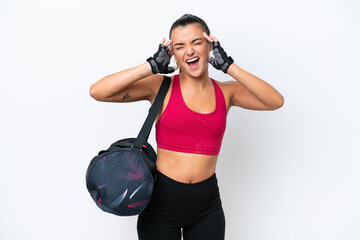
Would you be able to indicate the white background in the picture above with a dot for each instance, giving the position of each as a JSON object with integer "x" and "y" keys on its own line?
{"x": 290, "y": 174}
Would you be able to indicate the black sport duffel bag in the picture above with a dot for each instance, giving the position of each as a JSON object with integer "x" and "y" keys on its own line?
{"x": 120, "y": 179}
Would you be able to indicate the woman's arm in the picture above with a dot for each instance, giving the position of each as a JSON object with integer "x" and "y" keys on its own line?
{"x": 137, "y": 83}
{"x": 119, "y": 87}
{"x": 251, "y": 92}
{"x": 248, "y": 91}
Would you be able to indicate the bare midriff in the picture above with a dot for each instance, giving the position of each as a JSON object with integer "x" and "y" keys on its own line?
{"x": 185, "y": 167}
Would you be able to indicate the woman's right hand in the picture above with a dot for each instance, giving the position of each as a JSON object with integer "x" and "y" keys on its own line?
{"x": 160, "y": 61}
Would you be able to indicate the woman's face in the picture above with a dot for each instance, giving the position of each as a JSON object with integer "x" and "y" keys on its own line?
{"x": 191, "y": 49}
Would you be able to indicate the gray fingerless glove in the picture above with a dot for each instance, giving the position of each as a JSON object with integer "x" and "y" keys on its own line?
{"x": 160, "y": 61}
{"x": 221, "y": 60}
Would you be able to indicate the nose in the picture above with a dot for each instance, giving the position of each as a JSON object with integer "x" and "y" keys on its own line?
{"x": 189, "y": 50}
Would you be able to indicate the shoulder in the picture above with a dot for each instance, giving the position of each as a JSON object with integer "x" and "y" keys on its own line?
{"x": 227, "y": 88}
{"x": 156, "y": 84}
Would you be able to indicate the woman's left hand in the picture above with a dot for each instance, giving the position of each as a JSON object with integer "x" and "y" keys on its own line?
{"x": 221, "y": 60}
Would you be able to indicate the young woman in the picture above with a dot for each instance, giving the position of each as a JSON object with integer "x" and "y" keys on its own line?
{"x": 189, "y": 127}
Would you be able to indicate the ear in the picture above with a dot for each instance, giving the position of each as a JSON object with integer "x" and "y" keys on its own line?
{"x": 211, "y": 47}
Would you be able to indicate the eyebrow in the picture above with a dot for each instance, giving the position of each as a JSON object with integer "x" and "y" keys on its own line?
{"x": 196, "y": 39}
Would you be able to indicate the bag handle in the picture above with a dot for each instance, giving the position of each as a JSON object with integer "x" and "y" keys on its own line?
{"x": 153, "y": 111}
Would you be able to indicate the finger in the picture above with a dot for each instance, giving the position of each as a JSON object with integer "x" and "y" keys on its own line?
{"x": 214, "y": 38}
{"x": 163, "y": 41}
{"x": 168, "y": 43}
{"x": 171, "y": 69}
{"x": 171, "y": 48}
{"x": 207, "y": 37}
{"x": 211, "y": 60}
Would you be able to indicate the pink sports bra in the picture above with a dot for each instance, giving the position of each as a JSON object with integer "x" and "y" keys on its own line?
{"x": 181, "y": 129}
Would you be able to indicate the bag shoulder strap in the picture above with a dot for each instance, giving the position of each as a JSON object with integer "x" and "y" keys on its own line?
{"x": 153, "y": 111}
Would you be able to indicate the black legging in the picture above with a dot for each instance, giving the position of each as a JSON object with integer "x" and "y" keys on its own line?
{"x": 174, "y": 205}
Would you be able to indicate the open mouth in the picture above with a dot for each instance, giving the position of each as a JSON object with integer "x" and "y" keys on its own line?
{"x": 193, "y": 62}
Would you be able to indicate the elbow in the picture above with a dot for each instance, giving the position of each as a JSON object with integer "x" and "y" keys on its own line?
{"x": 275, "y": 103}
{"x": 94, "y": 93}
{"x": 278, "y": 103}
